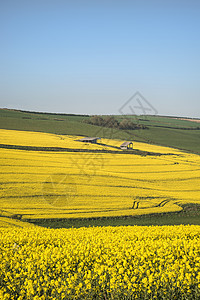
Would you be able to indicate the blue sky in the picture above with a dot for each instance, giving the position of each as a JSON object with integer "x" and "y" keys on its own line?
{"x": 90, "y": 57}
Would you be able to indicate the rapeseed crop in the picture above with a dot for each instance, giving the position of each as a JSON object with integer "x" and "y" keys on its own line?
{"x": 41, "y": 139}
{"x": 8, "y": 222}
{"x": 100, "y": 263}
{"x": 43, "y": 184}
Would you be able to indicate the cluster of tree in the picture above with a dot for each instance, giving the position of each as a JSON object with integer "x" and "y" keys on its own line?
{"x": 112, "y": 122}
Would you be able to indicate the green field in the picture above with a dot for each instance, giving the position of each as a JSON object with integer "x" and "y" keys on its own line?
{"x": 165, "y": 131}
{"x": 190, "y": 215}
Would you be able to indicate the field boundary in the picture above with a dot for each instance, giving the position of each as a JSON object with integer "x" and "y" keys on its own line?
{"x": 60, "y": 149}
{"x": 190, "y": 214}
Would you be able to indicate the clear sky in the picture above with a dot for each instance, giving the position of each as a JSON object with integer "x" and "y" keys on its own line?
{"x": 90, "y": 57}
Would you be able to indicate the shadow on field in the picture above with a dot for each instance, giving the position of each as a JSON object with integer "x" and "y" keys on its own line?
{"x": 190, "y": 214}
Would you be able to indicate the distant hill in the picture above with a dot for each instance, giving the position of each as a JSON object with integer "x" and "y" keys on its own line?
{"x": 177, "y": 132}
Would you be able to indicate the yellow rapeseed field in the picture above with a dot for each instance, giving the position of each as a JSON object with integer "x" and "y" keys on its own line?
{"x": 40, "y": 139}
{"x": 103, "y": 262}
{"x": 41, "y": 184}
{"x": 100, "y": 263}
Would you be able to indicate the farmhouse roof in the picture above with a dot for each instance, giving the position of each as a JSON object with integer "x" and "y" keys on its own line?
{"x": 89, "y": 139}
{"x": 125, "y": 144}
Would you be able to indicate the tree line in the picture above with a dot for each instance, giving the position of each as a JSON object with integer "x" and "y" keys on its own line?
{"x": 112, "y": 122}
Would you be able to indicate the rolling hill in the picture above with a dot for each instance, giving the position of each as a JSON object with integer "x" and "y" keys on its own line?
{"x": 165, "y": 131}
{"x": 51, "y": 179}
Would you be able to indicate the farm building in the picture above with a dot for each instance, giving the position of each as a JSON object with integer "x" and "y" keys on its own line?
{"x": 126, "y": 145}
{"x": 90, "y": 140}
